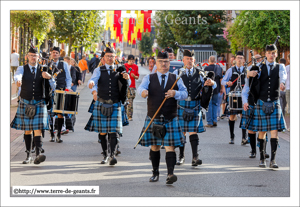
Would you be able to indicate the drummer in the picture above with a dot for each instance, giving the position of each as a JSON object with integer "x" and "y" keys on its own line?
{"x": 63, "y": 81}
{"x": 230, "y": 79}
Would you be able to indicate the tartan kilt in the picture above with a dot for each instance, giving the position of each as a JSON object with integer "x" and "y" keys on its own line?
{"x": 274, "y": 121}
{"x": 196, "y": 125}
{"x": 173, "y": 137}
{"x": 125, "y": 121}
{"x": 38, "y": 122}
{"x": 91, "y": 108}
{"x": 245, "y": 117}
{"x": 103, "y": 124}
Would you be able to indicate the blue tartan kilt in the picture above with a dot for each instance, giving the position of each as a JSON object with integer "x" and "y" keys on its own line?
{"x": 196, "y": 125}
{"x": 103, "y": 124}
{"x": 245, "y": 117}
{"x": 125, "y": 121}
{"x": 38, "y": 122}
{"x": 91, "y": 108}
{"x": 173, "y": 137}
{"x": 263, "y": 122}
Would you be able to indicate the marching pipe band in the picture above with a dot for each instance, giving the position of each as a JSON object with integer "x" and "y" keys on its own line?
{"x": 174, "y": 103}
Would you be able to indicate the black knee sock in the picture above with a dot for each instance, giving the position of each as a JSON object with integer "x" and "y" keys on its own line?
{"x": 60, "y": 123}
{"x": 38, "y": 144}
{"x": 27, "y": 139}
{"x": 231, "y": 128}
{"x": 194, "y": 139}
{"x": 262, "y": 144}
{"x": 113, "y": 143}
{"x": 103, "y": 143}
{"x": 181, "y": 151}
{"x": 171, "y": 161}
{"x": 274, "y": 143}
{"x": 155, "y": 159}
{"x": 244, "y": 132}
{"x": 253, "y": 142}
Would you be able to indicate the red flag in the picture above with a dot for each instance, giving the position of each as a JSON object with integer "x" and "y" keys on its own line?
{"x": 147, "y": 20}
{"x": 117, "y": 22}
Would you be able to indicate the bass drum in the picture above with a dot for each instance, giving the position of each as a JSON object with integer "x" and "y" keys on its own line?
{"x": 65, "y": 102}
{"x": 235, "y": 101}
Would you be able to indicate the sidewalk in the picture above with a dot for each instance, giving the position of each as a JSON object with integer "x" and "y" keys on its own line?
{"x": 16, "y": 136}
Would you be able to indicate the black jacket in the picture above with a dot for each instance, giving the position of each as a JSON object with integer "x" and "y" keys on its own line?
{"x": 78, "y": 75}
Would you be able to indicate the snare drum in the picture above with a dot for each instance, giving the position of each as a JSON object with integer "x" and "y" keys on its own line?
{"x": 235, "y": 101}
{"x": 65, "y": 102}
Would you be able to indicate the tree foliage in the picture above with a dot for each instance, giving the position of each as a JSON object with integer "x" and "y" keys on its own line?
{"x": 39, "y": 22}
{"x": 164, "y": 35}
{"x": 145, "y": 45}
{"x": 77, "y": 27}
{"x": 257, "y": 28}
{"x": 193, "y": 27}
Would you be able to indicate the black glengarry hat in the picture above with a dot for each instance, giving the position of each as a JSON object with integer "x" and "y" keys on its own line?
{"x": 130, "y": 57}
{"x": 56, "y": 48}
{"x": 169, "y": 50}
{"x": 240, "y": 53}
{"x": 271, "y": 47}
{"x": 109, "y": 50}
{"x": 188, "y": 53}
{"x": 33, "y": 50}
{"x": 163, "y": 55}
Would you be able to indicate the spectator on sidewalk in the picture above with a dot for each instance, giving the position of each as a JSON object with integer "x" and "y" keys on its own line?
{"x": 62, "y": 55}
{"x": 14, "y": 62}
{"x": 287, "y": 85}
{"x": 152, "y": 63}
{"x": 213, "y": 104}
{"x": 134, "y": 75}
{"x": 94, "y": 63}
{"x": 282, "y": 93}
{"x": 84, "y": 67}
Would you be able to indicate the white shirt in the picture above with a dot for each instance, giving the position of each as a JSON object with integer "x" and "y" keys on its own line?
{"x": 14, "y": 57}
{"x": 287, "y": 82}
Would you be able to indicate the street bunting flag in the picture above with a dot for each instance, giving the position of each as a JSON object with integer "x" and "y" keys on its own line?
{"x": 132, "y": 27}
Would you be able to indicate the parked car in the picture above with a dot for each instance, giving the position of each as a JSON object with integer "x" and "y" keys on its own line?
{"x": 174, "y": 65}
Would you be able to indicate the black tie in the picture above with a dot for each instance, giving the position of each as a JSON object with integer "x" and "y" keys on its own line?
{"x": 271, "y": 67}
{"x": 189, "y": 73}
{"x": 238, "y": 70}
{"x": 33, "y": 71}
{"x": 162, "y": 81}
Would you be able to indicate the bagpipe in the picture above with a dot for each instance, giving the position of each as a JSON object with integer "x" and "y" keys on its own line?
{"x": 206, "y": 92}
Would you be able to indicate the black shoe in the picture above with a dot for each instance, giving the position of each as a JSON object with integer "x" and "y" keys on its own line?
{"x": 262, "y": 163}
{"x": 39, "y": 159}
{"x": 215, "y": 124}
{"x": 58, "y": 139}
{"x": 244, "y": 141}
{"x": 42, "y": 150}
{"x": 231, "y": 141}
{"x": 28, "y": 160}
{"x": 105, "y": 160}
{"x": 180, "y": 160}
{"x": 273, "y": 164}
{"x": 155, "y": 177}
{"x": 52, "y": 138}
{"x": 171, "y": 179}
{"x": 113, "y": 160}
{"x": 252, "y": 155}
{"x": 267, "y": 155}
{"x": 196, "y": 161}
{"x": 118, "y": 152}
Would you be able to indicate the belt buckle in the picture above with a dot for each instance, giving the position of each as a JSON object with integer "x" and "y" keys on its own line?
{"x": 188, "y": 99}
{"x": 109, "y": 101}
{"x": 268, "y": 99}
